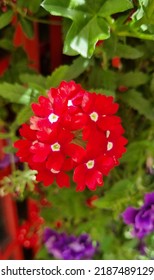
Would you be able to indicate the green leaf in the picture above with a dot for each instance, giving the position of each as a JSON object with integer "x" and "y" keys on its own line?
{"x": 14, "y": 93}
{"x": 128, "y": 52}
{"x": 33, "y": 80}
{"x": 6, "y": 18}
{"x": 6, "y": 44}
{"x": 103, "y": 92}
{"x": 135, "y": 152}
{"x": 115, "y": 6}
{"x": 135, "y": 100}
{"x": 57, "y": 76}
{"x": 109, "y": 80}
{"x": 67, "y": 73}
{"x": 63, "y": 8}
{"x": 87, "y": 27}
{"x": 83, "y": 38}
{"x": 27, "y": 27}
{"x": 34, "y": 5}
{"x": 24, "y": 115}
{"x": 118, "y": 193}
{"x": 133, "y": 79}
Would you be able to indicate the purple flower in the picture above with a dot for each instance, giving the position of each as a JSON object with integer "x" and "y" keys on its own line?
{"x": 142, "y": 219}
{"x": 6, "y": 161}
{"x": 65, "y": 247}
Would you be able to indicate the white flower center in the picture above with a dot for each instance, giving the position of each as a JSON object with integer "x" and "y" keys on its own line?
{"x": 94, "y": 116}
{"x": 109, "y": 146}
{"x": 107, "y": 133}
{"x": 55, "y": 147}
{"x": 54, "y": 171}
{"x": 53, "y": 118}
{"x": 90, "y": 164}
{"x": 69, "y": 103}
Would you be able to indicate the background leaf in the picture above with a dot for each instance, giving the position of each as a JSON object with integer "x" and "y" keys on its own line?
{"x": 6, "y": 18}
{"x": 114, "y": 196}
{"x": 67, "y": 72}
{"x": 133, "y": 79}
{"x": 27, "y": 27}
{"x": 115, "y": 6}
{"x": 135, "y": 99}
{"x": 126, "y": 51}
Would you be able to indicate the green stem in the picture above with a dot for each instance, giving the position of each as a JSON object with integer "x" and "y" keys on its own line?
{"x": 136, "y": 35}
{"x": 19, "y": 11}
{"x": 39, "y": 20}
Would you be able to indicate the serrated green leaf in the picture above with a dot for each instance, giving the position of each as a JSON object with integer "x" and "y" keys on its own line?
{"x": 24, "y": 115}
{"x": 133, "y": 79}
{"x": 115, "y": 6}
{"x": 67, "y": 73}
{"x": 118, "y": 192}
{"x": 6, "y": 18}
{"x": 135, "y": 152}
{"x": 27, "y": 27}
{"x": 103, "y": 92}
{"x": 109, "y": 80}
{"x": 14, "y": 93}
{"x": 57, "y": 76}
{"x": 128, "y": 52}
{"x": 33, "y": 79}
{"x": 135, "y": 100}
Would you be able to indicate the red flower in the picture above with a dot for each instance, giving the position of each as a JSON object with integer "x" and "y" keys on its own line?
{"x": 93, "y": 164}
{"x": 122, "y": 88}
{"x": 72, "y": 129}
{"x": 28, "y": 234}
{"x": 90, "y": 200}
{"x": 99, "y": 110}
{"x": 116, "y": 62}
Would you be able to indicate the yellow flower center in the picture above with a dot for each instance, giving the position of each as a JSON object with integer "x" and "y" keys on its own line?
{"x": 94, "y": 116}
{"x": 53, "y": 118}
{"x": 109, "y": 146}
{"x": 90, "y": 164}
{"x": 55, "y": 147}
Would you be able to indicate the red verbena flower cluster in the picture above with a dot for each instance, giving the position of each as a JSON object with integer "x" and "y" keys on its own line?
{"x": 72, "y": 129}
{"x": 29, "y": 233}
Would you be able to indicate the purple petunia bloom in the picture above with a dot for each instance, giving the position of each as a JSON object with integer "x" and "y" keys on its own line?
{"x": 141, "y": 218}
{"x": 65, "y": 247}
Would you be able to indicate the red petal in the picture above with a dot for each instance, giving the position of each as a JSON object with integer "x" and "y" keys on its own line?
{"x": 67, "y": 165}
{"x": 62, "y": 180}
{"x": 55, "y": 161}
{"x": 93, "y": 178}
{"x": 26, "y": 132}
{"x": 45, "y": 176}
{"x": 79, "y": 175}
{"x": 40, "y": 151}
{"x": 108, "y": 122}
{"x": 76, "y": 152}
{"x": 106, "y": 163}
{"x": 88, "y": 102}
{"x": 44, "y": 108}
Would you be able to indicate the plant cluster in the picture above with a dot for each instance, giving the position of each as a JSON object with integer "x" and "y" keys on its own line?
{"x": 72, "y": 137}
